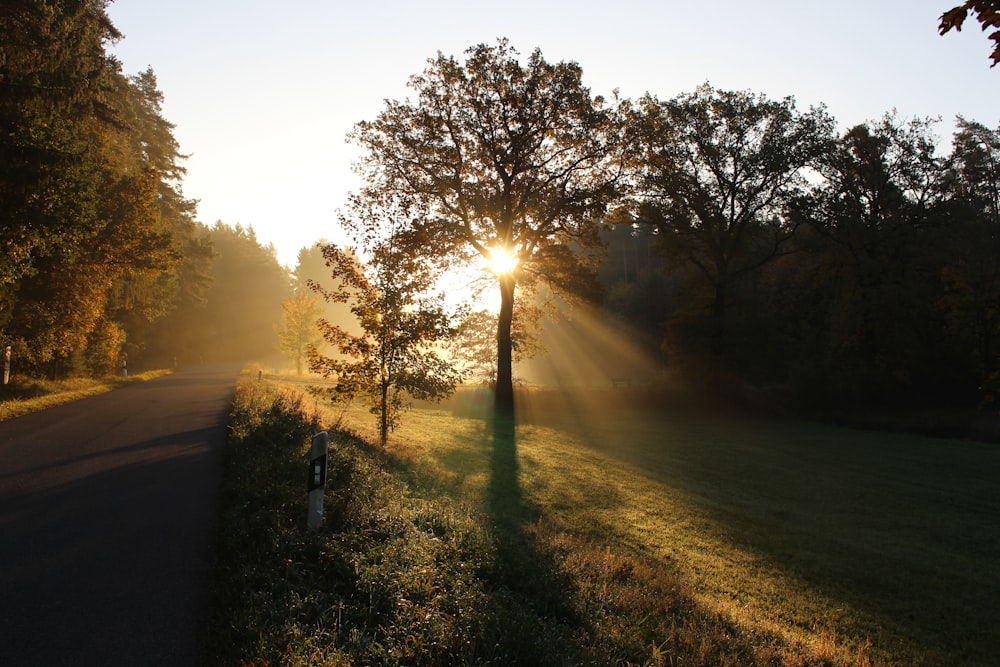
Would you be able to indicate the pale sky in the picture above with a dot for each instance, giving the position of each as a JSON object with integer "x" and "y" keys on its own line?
{"x": 264, "y": 93}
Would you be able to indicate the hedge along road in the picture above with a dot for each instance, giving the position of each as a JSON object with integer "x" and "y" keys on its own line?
{"x": 108, "y": 514}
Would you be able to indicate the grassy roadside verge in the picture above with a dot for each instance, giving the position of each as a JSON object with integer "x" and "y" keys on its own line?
{"x": 23, "y": 396}
{"x": 419, "y": 565}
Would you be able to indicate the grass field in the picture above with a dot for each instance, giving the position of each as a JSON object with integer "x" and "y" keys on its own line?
{"x": 814, "y": 545}
{"x": 828, "y": 536}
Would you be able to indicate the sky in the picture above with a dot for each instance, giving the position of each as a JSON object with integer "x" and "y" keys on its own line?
{"x": 263, "y": 94}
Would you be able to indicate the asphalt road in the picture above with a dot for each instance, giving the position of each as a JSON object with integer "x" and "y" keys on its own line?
{"x": 108, "y": 510}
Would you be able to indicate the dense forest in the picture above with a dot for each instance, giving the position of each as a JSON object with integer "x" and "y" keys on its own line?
{"x": 755, "y": 244}
{"x": 868, "y": 276}
{"x": 101, "y": 255}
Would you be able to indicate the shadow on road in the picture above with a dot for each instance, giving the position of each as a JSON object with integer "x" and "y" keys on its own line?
{"x": 108, "y": 515}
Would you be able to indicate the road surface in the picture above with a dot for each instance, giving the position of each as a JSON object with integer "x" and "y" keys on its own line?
{"x": 108, "y": 510}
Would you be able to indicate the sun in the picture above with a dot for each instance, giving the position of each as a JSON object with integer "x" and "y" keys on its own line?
{"x": 475, "y": 283}
{"x": 502, "y": 261}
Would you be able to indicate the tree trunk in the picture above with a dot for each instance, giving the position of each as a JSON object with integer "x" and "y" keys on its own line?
{"x": 718, "y": 330}
{"x": 505, "y": 358}
{"x": 383, "y": 426}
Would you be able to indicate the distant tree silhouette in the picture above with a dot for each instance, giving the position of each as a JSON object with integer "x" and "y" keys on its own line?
{"x": 244, "y": 301}
{"x": 878, "y": 213}
{"x": 298, "y": 329}
{"x": 971, "y": 272}
{"x": 716, "y": 173}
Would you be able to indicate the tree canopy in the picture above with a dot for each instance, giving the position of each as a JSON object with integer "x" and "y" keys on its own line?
{"x": 500, "y": 158}
{"x": 852, "y": 267}
{"x": 89, "y": 186}
{"x": 716, "y": 173}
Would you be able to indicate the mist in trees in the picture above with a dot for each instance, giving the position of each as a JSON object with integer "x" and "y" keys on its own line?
{"x": 298, "y": 330}
{"x": 387, "y": 286}
{"x": 500, "y": 157}
{"x": 235, "y": 320}
{"x": 101, "y": 254}
{"x": 758, "y": 246}
{"x": 311, "y": 269}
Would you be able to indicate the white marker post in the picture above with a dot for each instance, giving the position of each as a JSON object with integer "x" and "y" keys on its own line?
{"x": 317, "y": 479}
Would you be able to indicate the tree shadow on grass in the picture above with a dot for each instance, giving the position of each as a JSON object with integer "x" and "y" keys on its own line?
{"x": 504, "y": 499}
{"x": 543, "y": 596}
{"x": 569, "y": 601}
{"x": 528, "y": 580}
{"x": 884, "y": 526}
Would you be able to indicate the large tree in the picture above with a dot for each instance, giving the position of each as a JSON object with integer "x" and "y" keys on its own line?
{"x": 97, "y": 241}
{"x": 877, "y": 211}
{"x": 716, "y": 173}
{"x": 504, "y": 159}
{"x": 55, "y": 80}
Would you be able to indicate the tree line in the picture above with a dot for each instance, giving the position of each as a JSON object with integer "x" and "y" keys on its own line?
{"x": 853, "y": 267}
{"x": 761, "y": 246}
{"x": 856, "y": 267}
{"x": 101, "y": 254}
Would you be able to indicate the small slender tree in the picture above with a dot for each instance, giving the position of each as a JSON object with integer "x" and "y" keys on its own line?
{"x": 394, "y": 356}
